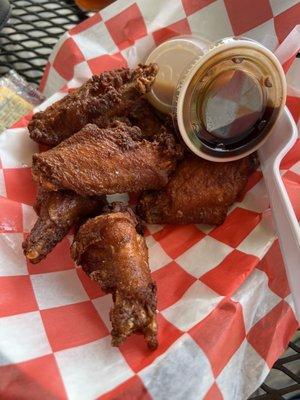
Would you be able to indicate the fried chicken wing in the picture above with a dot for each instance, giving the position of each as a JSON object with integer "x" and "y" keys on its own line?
{"x": 98, "y": 161}
{"x": 102, "y": 97}
{"x": 113, "y": 253}
{"x": 57, "y": 212}
{"x": 199, "y": 191}
{"x": 143, "y": 115}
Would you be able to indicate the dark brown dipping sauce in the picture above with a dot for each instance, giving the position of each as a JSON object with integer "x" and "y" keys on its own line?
{"x": 233, "y": 104}
{"x": 233, "y": 113}
{"x": 235, "y": 135}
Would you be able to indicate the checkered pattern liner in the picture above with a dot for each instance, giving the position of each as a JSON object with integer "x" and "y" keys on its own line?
{"x": 225, "y": 308}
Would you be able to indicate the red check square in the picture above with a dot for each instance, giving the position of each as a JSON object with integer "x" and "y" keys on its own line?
{"x": 287, "y": 64}
{"x": 291, "y": 182}
{"x": 253, "y": 179}
{"x": 292, "y": 156}
{"x": 220, "y": 348}
{"x": 272, "y": 264}
{"x": 172, "y": 282}
{"x": 16, "y": 295}
{"x": 40, "y": 377}
{"x": 11, "y": 219}
{"x": 228, "y": 276}
{"x": 286, "y": 21}
{"x": 86, "y": 24}
{"x": 59, "y": 259}
{"x": 133, "y": 388}
{"x": 73, "y": 325}
{"x": 66, "y": 58}
{"x": 19, "y": 185}
{"x": 247, "y": 14}
{"x": 178, "y": 28}
{"x": 23, "y": 122}
{"x": 135, "y": 351}
{"x": 191, "y": 6}
{"x": 127, "y": 26}
{"x": 106, "y": 62}
{"x": 91, "y": 287}
{"x": 293, "y": 106}
{"x": 269, "y": 342}
{"x": 236, "y": 227}
{"x": 175, "y": 240}
{"x": 214, "y": 393}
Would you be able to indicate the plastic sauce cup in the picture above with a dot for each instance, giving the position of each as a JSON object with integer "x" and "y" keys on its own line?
{"x": 225, "y": 97}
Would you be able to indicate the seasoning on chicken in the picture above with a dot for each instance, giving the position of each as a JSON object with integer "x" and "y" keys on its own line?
{"x": 113, "y": 253}
{"x": 199, "y": 191}
{"x": 98, "y": 161}
{"x": 102, "y": 97}
{"x": 143, "y": 115}
{"x": 57, "y": 213}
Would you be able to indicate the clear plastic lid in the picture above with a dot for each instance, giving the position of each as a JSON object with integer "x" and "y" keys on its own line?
{"x": 228, "y": 100}
{"x": 172, "y": 57}
{"x": 228, "y": 94}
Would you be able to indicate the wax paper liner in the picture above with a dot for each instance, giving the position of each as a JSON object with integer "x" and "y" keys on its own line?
{"x": 225, "y": 308}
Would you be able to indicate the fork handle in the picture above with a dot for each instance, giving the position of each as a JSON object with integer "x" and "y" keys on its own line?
{"x": 287, "y": 228}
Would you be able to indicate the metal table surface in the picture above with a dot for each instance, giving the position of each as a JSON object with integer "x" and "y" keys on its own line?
{"x": 25, "y": 45}
{"x": 28, "y": 38}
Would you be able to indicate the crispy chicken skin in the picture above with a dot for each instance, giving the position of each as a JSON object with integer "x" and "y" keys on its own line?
{"x": 98, "y": 161}
{"x": 101, "y": 97}
{"x": 113, "y": 253}
{"x": 143, "y": 115}
{"x": 57, "y": 212}
{"x": 199, "y": 191}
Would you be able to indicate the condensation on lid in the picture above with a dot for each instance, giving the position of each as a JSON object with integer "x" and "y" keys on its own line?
{"x": 172, "y": 57}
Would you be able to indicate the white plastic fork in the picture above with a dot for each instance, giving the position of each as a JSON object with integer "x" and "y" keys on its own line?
{"x": 281, "y": 140}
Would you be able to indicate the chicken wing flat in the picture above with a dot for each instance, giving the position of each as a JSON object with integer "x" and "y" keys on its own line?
{"x": 199, "y": 191}
{"x": 113, "y": 253}
{"x": 101, "y": 97}
{"x": 57, "y": 212}
{"x": 143, "y": 115}
{"x": 98, "y": 161}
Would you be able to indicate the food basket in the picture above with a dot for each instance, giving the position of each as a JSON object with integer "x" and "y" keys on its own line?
{"x": 225, "y": 307}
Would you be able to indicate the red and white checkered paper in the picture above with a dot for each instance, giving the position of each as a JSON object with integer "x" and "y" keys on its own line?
{"x": 225, "y": 308}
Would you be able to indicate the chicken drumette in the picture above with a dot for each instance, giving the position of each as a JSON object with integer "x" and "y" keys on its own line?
{"x": 101, "y": 98}
{"x": 113, "y": 253}
{"x": 199, "y": 191}
{"x": 57, "y": 212}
